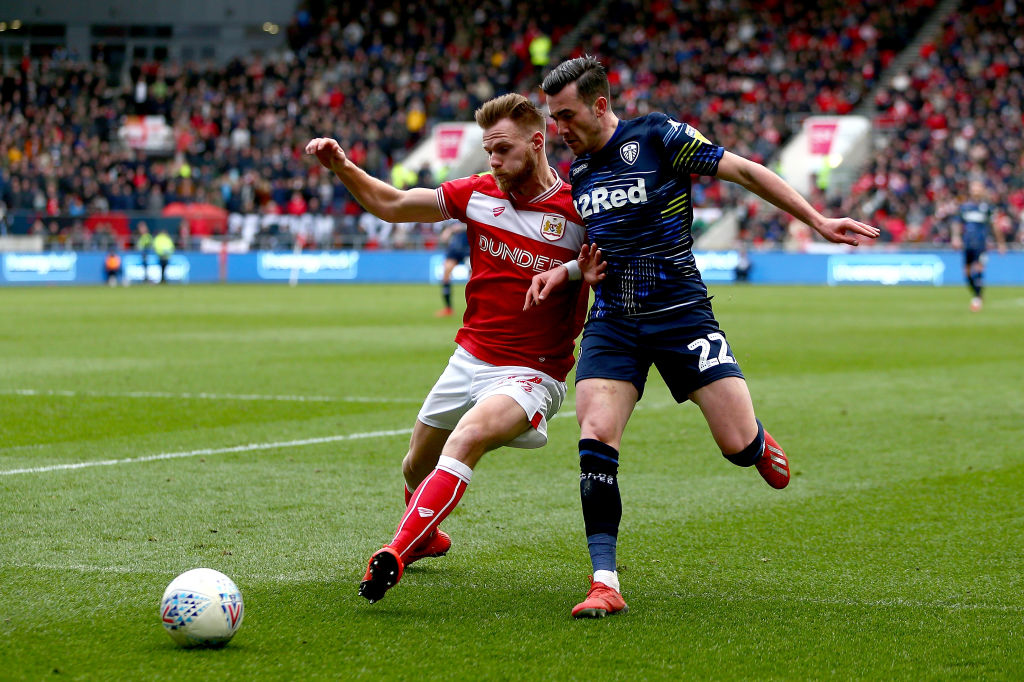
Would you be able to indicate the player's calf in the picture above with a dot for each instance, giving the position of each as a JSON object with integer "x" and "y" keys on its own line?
{"x": 765, "y": 455}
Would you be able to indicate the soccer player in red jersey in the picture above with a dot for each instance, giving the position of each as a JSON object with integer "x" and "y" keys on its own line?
{"x": 506, "y": 378}
{"x": 631, "y": 182}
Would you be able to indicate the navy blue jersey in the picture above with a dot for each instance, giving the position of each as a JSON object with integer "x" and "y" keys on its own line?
{"x": 976, "y": 217}
{"x": 634, "y": 196}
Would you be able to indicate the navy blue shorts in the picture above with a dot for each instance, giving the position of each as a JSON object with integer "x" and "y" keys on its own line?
{"x": 686, "y": 345}
{"x": 458, "y": 247}
{"x": 972, "y": 256}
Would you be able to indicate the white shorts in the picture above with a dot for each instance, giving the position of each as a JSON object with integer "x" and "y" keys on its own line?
{"x": 467, "y": 380}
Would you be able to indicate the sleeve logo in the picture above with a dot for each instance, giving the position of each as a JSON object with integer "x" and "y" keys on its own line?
{"x": 629, "y": 152}
{"x": 552, "y": 227}
{"x": 695, "y": 134}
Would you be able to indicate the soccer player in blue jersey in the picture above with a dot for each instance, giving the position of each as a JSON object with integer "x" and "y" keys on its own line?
{"x": 971, "y": 229}
{"x": 457, "y": 251}
{"x": 631, "y": 185}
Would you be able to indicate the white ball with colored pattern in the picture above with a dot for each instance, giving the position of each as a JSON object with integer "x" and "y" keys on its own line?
{"x": 201, "y": 608}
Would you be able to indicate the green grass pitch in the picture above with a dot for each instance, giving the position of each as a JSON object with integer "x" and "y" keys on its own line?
{"x": 259, "y": 431}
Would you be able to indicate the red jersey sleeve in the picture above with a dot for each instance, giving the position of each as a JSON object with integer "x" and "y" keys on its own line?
{"x": 453, "y": 197}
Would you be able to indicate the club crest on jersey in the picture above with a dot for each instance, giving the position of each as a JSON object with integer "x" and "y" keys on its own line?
{"x": 552, "y": 227}
{"x": 629, "y": 152}
{"x": 498, "y": 210}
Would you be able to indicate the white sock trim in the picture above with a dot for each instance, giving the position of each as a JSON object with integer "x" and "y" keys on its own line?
{"x": 609, "y": 578}
{"x": 455, "y": 467}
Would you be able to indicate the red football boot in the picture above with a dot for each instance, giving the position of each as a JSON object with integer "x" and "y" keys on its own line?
{"x": 437, "y": 544}
{"x": 382, "y": 573}
{"x": 773, "y": 464}
{"x": 601, "y": 601}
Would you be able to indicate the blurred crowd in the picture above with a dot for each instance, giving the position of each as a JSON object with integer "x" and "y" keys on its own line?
{"x": 746, "y": 73}
{"x": 956, "y": 117}
{"x": 374, "y": 75}
{"x": 378, "y": 75}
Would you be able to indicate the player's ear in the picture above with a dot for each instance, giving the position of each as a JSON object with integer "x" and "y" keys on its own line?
{"x": 537, "y": 140}
{"x": 600, "y": 106}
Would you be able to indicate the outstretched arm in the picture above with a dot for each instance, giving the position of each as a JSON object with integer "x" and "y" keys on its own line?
{"x": 998, "y": 233}
{"x": 417, "y": 205}
{"x": 770, "y": 187}
{"x": 590, "y": 268}
{"x": 956, "y": 229}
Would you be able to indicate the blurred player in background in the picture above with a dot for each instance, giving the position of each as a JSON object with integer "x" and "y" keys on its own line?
{"x": 631, "y": 185}
{"x": 144, "y": 245}
{"x": 971, "y": 229}
{"x": 506, "y": 378}
{"x": 456, "y": 237}
{"x": 112, "y": 268}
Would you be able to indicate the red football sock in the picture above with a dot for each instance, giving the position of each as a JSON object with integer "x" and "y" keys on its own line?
{"x": 408, "y": 495}
{"x": 433, "y": 500}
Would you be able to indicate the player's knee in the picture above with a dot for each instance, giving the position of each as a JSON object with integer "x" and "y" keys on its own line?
{"x": 598, "y": 431}
{"x": 745, "y": 455}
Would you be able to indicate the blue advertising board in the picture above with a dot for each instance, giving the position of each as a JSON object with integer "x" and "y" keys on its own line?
{"x": 856, "y": 268}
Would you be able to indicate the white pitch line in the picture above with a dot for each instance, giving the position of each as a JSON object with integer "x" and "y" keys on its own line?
{"x": 251, "y": 447}
{"x": 206, "y": 396}
{"x": 318, "y": 576}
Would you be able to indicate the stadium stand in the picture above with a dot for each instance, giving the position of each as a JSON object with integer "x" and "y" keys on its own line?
{"x": 955, "y": 117}
{"x": 378, "y": 75}
{"x": 375, "y": 76}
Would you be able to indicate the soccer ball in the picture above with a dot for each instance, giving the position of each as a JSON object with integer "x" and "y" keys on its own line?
{"x": 201, "y": 607}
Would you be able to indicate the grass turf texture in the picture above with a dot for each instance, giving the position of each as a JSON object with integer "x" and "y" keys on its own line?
{"x": 895, "y": 553}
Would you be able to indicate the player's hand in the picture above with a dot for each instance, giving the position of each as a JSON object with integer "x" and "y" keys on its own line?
{"x": 845, "y": 230}
{"x": 956, "y": 243}
{"x": 543, "y": 284}
{"x": 328, "y": 152}
{"x": 591, "y": 264}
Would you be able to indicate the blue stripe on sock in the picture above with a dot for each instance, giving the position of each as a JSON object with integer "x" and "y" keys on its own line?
{"x": 613, "y": 460}
{"x": 602, "y": 551}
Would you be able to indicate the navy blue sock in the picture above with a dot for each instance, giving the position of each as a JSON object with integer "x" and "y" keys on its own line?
{"x": 602, "y": 551}
{"x": 975, "y": 281}
{"x": 446, "y": 294}
{"x": 602, "y": 505}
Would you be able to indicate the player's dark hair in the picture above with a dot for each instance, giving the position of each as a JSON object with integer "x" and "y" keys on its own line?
{"x": 514, "y": 107}
{"x": 589, "y": 75}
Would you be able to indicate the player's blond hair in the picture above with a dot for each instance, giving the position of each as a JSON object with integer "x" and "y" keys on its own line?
{"x": 514, "y": 107}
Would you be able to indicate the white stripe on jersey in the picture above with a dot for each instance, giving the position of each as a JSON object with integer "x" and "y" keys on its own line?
{"x": 549, "y": 192}
{"x": 500, "y": 213}
{"x": 441, "y": 204}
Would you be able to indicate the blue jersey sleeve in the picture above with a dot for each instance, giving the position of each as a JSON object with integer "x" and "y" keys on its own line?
{"x": 686, "y": 150}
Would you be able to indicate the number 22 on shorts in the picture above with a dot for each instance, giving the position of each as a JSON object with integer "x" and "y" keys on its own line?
{"x": 706, "y": 361}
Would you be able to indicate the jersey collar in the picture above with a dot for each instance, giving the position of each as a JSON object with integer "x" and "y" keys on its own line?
{"x": 546, "y": 194}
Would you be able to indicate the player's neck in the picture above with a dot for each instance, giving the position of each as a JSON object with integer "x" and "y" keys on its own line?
{"x": 609, "y": 124}
{"x": 541, "y": 181}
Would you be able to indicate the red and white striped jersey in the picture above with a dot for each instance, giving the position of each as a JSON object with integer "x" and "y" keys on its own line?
{"x": 512, "y": 239}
